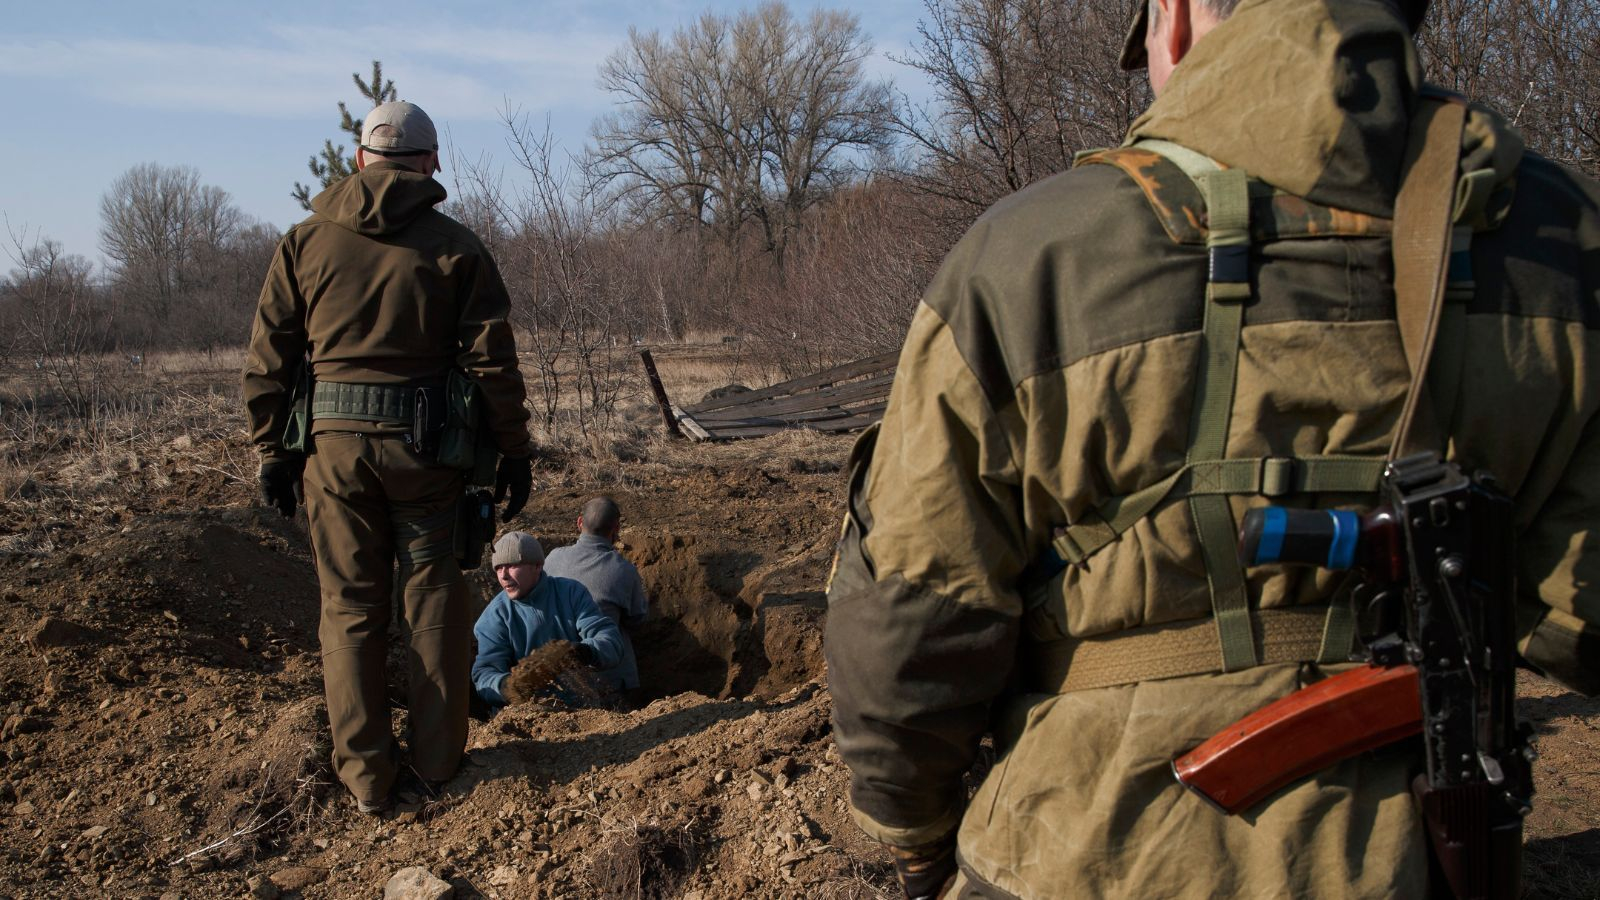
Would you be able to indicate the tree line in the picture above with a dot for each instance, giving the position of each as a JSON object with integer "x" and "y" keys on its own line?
{"x": 754, "y": 179}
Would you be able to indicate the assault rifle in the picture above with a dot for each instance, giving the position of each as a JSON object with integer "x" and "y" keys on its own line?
{"x": 1435, "y": 607}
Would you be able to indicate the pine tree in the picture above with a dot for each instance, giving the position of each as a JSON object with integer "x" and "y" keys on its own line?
{"x": 332, "y": 165}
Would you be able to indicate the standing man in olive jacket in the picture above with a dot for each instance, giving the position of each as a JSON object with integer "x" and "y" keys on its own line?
{"x": 382, "y": 296}
{"x": 1055, "y": 368}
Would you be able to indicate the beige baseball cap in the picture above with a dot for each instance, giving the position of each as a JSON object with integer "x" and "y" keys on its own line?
{"x": 516, "y": 547}
{"x": 412, "y": 130}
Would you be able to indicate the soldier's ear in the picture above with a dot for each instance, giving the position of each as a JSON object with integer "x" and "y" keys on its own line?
{"x": 1179, "y": 31}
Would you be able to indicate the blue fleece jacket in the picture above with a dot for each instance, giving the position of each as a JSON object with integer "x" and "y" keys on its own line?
{"x": 556, "y": 609}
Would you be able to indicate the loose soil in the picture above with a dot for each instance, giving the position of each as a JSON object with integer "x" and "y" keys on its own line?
{"x": 164, "y": 735}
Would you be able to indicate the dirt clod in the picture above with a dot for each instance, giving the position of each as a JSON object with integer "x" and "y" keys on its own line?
{"x": 538, "y": 669}
{"x": 52, "y": 631}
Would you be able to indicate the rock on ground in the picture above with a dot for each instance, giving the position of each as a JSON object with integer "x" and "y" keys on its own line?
{"x": 417, "y": 883}
{"x": 50, "y": 632}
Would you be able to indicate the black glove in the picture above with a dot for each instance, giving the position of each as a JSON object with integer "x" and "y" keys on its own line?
{"x": 585, "y": 654}
{"x": 515, "y": 476}
{"x": 280, "y": 483}
{"x": 923, "y": 871}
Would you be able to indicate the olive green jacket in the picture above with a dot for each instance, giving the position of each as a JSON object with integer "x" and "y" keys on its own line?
{"x": 1051, "y": 367}
{"x": 381, "y": 288}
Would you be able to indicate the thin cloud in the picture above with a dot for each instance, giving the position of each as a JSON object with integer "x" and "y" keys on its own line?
{"x": 467, "y": 44}
{"x": 466, "y": 70}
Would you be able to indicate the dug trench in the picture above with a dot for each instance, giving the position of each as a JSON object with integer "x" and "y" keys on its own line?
{"x": 164, "y": 732}
{"x": 164, "y": 735}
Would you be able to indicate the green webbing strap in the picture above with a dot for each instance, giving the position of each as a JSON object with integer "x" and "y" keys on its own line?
{"x": 1227, "y": 197}
{"x": 1274, "y": 476}
{"x": 389, "y": 403}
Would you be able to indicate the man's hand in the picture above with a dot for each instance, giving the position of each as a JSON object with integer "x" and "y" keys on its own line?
{"x": 538, "y": 669}
{"x": 924, "y": 871}
{"x": 280, "y": 483}
{"x": 514, "y": 476}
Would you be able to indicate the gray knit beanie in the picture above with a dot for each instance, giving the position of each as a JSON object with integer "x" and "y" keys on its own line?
{"x": 517, "y": 547}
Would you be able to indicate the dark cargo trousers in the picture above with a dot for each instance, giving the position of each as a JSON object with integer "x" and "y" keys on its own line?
{"x": 373, "y": 503}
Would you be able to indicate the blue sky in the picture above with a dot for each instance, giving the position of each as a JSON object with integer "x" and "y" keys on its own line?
{"x": 244, "y": 92}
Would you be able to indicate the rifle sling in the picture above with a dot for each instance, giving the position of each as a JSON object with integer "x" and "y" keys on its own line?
{"x": 1422, "y": 236}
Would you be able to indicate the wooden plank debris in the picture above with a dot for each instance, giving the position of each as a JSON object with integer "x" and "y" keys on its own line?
{"x": 839, "y": 399}
{"x": 660, "y": 393}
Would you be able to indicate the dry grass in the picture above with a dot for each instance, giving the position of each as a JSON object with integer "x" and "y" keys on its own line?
{"x": 131, "y": 433}
{"x": 153, "y": 421}
{"x": 135, "y": 439}
{"x": 633, "y": 447}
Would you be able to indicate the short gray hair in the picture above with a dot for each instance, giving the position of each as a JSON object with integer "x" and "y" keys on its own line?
{"x": 601, "y": 516}
{"x": 1219, "y": 8}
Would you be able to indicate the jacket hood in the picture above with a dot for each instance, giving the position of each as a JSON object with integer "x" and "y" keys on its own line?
{"x": 383, "y": 198}
{"x": 1313, "y": 97}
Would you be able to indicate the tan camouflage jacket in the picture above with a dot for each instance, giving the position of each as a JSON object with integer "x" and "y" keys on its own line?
{"x": 1051, "y": 367}
{"x": 381, "y": 288}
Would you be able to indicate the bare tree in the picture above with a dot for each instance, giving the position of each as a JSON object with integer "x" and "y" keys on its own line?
{"x": 657, "y": 149}
{"x": 754, "y": 117}
{"x": 1537, "y": 61}
{"x": 563, "y": 263}
{"x": 1020, "y": 87}
{"x": 157, "y": 224}
{"x": 218, "y": 311}
{"x": 185, "y": 262}
{"x": 851, "y": 280}
{"x": 60, "y": 324}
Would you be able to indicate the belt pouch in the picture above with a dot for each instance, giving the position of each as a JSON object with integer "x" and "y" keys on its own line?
{"x": 298, "y": 428}
{"x": 474, "y": 527}
{"x": 458, "y": 437}
{"x": 428, "y": 422}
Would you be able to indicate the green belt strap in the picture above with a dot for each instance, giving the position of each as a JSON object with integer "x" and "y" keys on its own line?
{"x": 1169, "y": 650}
{"x": 389, "y": 403}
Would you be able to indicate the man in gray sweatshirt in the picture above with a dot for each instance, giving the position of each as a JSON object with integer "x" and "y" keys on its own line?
{"x": 613, "y": 581}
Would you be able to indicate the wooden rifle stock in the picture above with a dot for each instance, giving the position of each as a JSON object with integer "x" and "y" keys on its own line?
{"x": 1309, "y": 730}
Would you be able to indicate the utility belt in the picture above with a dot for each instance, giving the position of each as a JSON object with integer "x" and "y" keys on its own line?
{"x": 1171, "y": 650}
{"x": 446, "y": 425}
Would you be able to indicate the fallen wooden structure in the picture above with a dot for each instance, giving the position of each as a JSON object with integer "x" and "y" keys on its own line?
{"x": 844, "y": 398}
